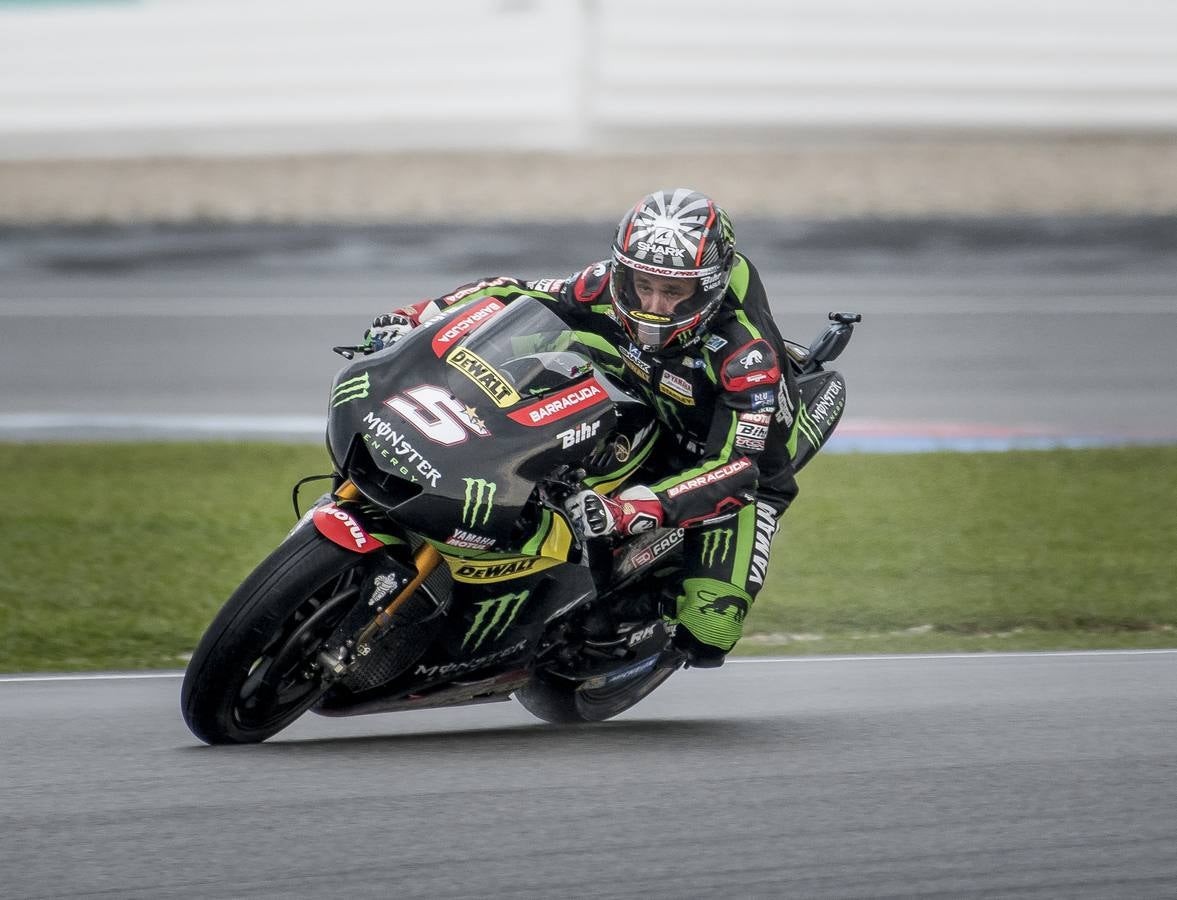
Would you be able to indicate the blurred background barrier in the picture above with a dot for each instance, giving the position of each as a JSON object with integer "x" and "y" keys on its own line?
{"x": 296, "y": 109}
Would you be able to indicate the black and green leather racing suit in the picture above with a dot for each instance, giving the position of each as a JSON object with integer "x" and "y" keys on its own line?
{"x": 723, "y": 470}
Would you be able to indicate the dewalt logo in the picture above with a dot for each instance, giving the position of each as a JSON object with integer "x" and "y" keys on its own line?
{"x": 488, "y": 571}
{"x": 497, "y": 612}
{"x": 483, "y": 374}
{"x": 352, "y": 389}
{"x": 716, "y": 546}
{"x": 480, "y": 501}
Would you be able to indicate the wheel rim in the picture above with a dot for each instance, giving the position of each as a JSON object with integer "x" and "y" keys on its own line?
{"x": 284, "y": 679}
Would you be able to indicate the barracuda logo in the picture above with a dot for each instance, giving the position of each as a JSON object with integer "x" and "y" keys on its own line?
{"x": 352, "y": 389}
{"x": 718, "y": 542}
{"x": 492, "y": 612}
{"x": 480, "y": 498}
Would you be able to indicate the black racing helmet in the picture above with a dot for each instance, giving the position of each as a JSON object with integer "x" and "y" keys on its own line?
{"x": 675, "y": 233}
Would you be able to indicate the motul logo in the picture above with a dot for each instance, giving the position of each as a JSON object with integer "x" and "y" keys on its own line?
{"x": 340, "y": 528}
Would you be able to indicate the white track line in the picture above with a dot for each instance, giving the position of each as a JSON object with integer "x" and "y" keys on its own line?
{"x": 737, "y": 660}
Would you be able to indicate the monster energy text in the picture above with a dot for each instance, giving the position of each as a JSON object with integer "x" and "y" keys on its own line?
{"x": 717, "y": 542}
{"x": 492, "y": 612}
{"x": 480, "y": 499}
{"x": 352, "y": 389}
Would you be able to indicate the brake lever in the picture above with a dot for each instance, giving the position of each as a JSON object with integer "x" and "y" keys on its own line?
{"x": 349, "y": 352}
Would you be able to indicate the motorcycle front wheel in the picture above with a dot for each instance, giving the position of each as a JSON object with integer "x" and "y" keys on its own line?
{"x": 254, "y": 671}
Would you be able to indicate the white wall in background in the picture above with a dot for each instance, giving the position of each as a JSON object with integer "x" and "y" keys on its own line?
{"x": 127, "y": 78}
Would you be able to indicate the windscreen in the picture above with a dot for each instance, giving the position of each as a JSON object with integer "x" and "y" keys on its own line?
{"x": 523, "y": 352}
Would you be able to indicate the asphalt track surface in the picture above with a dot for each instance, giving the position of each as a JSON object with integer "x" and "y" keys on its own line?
{"x": 1010, "y": 776}
{"x": 970, "y": 776}
{"x": 988, "y": 333}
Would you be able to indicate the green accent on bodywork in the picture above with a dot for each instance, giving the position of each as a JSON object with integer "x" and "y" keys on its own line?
{"x": 713, "y": 611}
{"x": 620, "y": 474}
{"x": 387, "y": 538}
{"x": 531, "y": 548}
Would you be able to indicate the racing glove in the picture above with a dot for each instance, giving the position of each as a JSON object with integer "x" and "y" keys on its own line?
{"x": 633, "y": 511}
{"x": 387, "y": 330}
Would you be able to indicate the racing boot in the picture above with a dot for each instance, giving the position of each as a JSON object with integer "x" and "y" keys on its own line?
{"x": 698, "y": 654}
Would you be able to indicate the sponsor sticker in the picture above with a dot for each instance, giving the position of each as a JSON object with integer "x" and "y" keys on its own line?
{"x": 352, "y": 389}
{"x": 559, "y": 406}
{"x": 478, "y": 314}
{"x": 341, "y": 528}
{"x": 488, "y": 571}
{"x": 487, "y": 377}
{"x": 678, "y": 388}
{"x": 582, "y": 432}
{"x": 828, "y": 404}
{"x": 709, "y": 478}
{"x": 386, "y": 440}
{"x": 469, "y": 540}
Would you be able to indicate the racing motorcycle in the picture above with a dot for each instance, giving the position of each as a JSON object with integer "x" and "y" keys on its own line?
{"x": 441, "y": 568}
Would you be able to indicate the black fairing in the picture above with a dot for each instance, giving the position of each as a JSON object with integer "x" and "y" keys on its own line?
{"x": 450, "y": 428}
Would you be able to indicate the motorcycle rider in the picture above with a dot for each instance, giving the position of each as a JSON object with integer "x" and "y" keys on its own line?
{"x": 685, "y": 323}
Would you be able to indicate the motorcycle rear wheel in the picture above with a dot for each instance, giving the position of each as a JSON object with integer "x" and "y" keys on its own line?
{"x": 564, "y": 702}
{"x": 253, "y": 672}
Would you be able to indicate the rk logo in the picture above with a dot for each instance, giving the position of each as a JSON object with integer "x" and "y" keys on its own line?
{"x": 716, "y": 543}
{"x": 497, "y": 611}
{"x": 480, "y": 499}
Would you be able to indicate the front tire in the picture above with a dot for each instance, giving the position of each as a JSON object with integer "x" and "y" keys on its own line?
{"x": 254, "y": 671}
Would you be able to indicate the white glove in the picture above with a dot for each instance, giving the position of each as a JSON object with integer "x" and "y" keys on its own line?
{"x": 590, "y": 514}
{"x": 634, "y": 510}
{"x": 387, "y": 330}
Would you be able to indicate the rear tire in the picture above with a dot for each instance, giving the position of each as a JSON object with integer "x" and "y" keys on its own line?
{"x": 563, "y": 702}
{"x": 253, "y": 672}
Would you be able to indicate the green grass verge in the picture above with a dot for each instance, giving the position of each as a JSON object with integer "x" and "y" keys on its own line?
{"x": 117, "y": 556}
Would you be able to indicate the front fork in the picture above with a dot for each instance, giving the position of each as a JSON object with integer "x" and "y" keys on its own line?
{"x": 360, "y": 627}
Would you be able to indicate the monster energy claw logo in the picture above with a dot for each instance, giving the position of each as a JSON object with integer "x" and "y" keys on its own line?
{"x": 716, "y": 542}
{"x": 480, "y": 498}
{"x": 492, "y": 612}
{"x": 352, "y": 389}
{"x": 807, "y": 427}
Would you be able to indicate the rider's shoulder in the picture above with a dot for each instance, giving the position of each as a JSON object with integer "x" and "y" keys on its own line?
{"x": 470, "y": 288}
{"x": 587, "y": 285}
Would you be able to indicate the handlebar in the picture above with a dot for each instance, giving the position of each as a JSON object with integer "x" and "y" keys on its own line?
{"x": 830, "y": 343}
